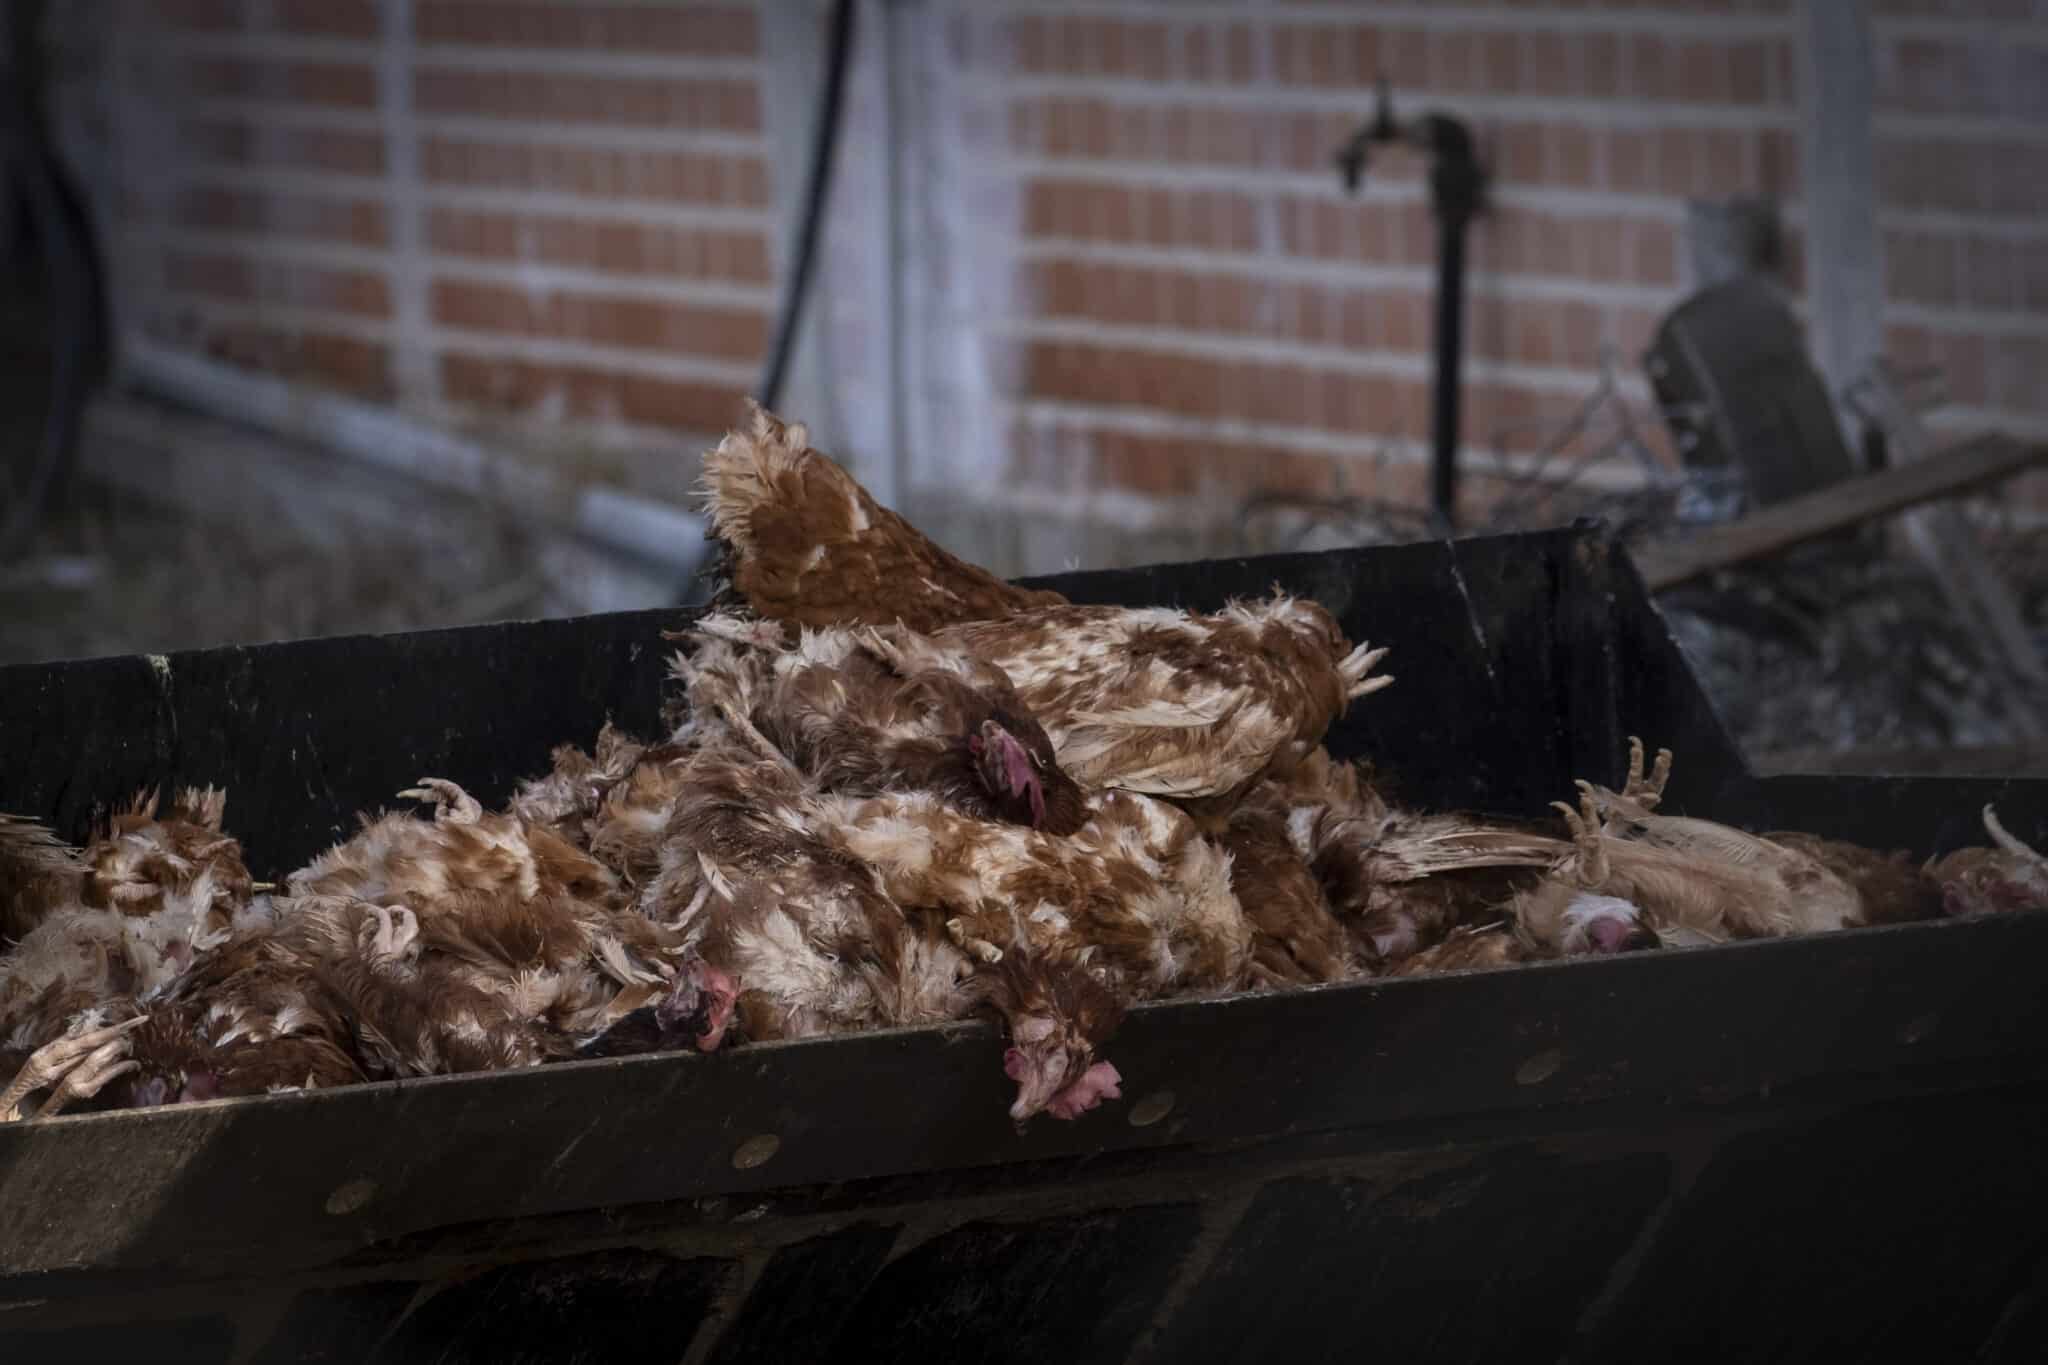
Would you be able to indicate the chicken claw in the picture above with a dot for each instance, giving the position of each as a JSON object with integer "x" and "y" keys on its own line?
{"x": 452, "y": 805}
{"x": 2009, "y": 841}
{"x": 79, "y": 1065}
{"x": 1354, "y": 669}
{"x": 979, "y": 947}
{"x": 1588, "y": 834}
{"x": 1645, "y": 793}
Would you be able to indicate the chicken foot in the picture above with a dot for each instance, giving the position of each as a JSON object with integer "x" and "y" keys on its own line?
{"x": 1645, "y": 792}
{"x": 1589, "y": 832}
{"x": 451, "y": 803}
{"x": 956, "y": 929}
{"x": 2009, "y": 841}
{"x": 79, "y": 1066}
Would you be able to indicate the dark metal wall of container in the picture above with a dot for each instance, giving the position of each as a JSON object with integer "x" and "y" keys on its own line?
{"x": 1812, "y": 1149}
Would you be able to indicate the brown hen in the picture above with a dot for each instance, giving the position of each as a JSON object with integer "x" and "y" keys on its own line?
{"x": 808, "y": 546}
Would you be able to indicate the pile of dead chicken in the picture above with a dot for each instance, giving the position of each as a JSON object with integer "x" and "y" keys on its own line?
{"x": 895, "y": 791}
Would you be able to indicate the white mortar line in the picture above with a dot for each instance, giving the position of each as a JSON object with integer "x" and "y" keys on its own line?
{"x": 537, "y": 61}
{"x": 1336, "y": 274}
{"x": 590, "y": 134}
{"x": 1137, "y": 92}
{"x": 1238, "y": 349}
{"x": 1435, "y": 17}
{"x": 538, "y": 277}
{"x": 588, "y": 355}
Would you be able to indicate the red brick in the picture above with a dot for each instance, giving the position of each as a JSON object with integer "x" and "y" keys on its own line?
{"x": 1920, "y": 267}
{"x": 1629, "y": 161}
{"x": 1652, "y": 67}
{"x": 1719, "y": 166}
{"x": 347, "y": 363}
{"x": 363, "y": 293}
{"x": 334, "y": 85}
{"x": 1238, "y": 44}
{"x": 1675, "y": 150}
{"x": 1572, "y": 150}
{"x": 1454, "y": 62}
{"x": 205, "y": 16}
{"x": 2032, "y": 263}
{"x": 1989, "y": 279}
{"x": 1702, "y": 72}
{"x": 690, "y": 177}
{"x": 1777, "y": 161}
{"x": 615, "y": 245}
{"x": 210, "y": 208}
{"x": 1547, "y": 63}
{"x": 1600, "y": 59}
{"x": 241, "y": 143}
{"x": 1522, "y": 156}
{"x": 602, "y": 320}
{"x": 2019, "y": 365}
{"x": 588, "y": 393}
{"x": 1295, "y": 395}
{"x": 1656, "y": 247}
{"x": 326, "y": 18}
{"x": 1500, "y": 58}
{"x": 692, "y": 30}
{"x": 1983, "y": 175}
{"x": 545, "y": 96}
{"x": 1749, "y": 72}
{"x": 1086, "y": 210}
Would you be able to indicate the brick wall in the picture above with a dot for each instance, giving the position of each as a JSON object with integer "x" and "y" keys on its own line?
{"x": 1962, "y": 145}
{"x": 1137, "y": 291}
{"x": 556, "y": 212}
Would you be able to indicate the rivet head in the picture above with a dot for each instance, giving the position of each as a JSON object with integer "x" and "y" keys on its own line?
{"x": 354, "y": 1195}
{"x": 756, "y": 1151}
{"x": 1152, "y": 1108}
{"x": 1539, "y": 1068}
{"x": 1918, "y": 1028}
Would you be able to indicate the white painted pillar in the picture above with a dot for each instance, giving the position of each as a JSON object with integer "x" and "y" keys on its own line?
{"x": 1838, "y": 163}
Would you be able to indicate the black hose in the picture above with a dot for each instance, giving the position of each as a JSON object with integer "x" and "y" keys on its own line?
{"x": 76, "y": 290}
{"x": 818, "y": 185}
{"x": 824, "y": 151}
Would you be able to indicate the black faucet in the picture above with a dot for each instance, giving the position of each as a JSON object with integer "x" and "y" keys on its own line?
{"x": 1457, "y": 191}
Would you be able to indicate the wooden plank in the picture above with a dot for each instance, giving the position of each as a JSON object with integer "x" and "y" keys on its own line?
{"x": 2004, "y": 760}
{"x": 1950, "y": 473}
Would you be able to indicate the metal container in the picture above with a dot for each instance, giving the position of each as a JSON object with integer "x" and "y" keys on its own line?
{"x": 1824, "y": 1148}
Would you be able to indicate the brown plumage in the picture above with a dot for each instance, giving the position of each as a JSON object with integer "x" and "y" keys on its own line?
{"x": 1397, "y": 881}
{"x": 1191, "y": 707}
{"x": 1296, "y": 937}
{"x": 1890, "y": 886}
{"x": 806, "y": 931}
{"x": 808, "y": 546}
{"x": 1633, "y": 874}
{"x": 2009, "y": 875}
{"x": 1473, "y": 948}
{"x": 568, "y": 796}
{"x": 39, "y": 873}
{"x": 517, "y": 936}
{"x": 865, "y": 711}
{"x": 150, "y": 897}
{"x": 1137, "y": 899}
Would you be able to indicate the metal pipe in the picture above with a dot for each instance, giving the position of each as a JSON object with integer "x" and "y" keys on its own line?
{"x": 1457, "y": 187}
{"x": 1450, "y": 319}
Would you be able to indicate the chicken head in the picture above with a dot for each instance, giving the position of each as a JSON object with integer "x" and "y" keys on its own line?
{"x": 1010, "y": 773}
{"x": 2011, "y": 875}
